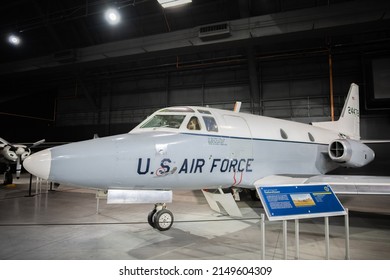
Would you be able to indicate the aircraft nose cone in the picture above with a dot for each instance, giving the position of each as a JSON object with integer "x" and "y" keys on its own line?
{"x": 39, "y": 164}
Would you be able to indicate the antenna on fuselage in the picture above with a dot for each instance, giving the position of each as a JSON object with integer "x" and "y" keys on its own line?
{"x": 237, "y": 106}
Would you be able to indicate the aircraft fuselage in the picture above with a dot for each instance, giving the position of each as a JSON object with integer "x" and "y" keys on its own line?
{"x": 167, "y": 158}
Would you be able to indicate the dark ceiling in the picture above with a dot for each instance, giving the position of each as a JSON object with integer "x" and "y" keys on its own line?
{"x": 48, "y": 26}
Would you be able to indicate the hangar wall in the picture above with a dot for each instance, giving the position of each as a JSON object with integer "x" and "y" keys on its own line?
{"x": 289, "y": 87}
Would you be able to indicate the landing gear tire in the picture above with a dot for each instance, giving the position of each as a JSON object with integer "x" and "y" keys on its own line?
{"x": 163, "y": 220}
{"x": 160, "y": 217}
{"x": 151, "y": 218}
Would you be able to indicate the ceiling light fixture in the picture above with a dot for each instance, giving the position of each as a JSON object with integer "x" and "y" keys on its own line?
{"x": 14, "y": 40}
{"x": 112, "y": 16}
{"x": 173, "y": 3}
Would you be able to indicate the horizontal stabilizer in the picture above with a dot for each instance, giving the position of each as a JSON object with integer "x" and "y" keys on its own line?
{"x": 375, "y": 141}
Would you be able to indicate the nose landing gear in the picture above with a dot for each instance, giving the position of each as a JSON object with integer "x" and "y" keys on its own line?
{"x": 160, "y": 217}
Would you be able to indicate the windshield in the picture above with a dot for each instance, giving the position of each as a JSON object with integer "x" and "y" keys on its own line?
{"x": 171, "y": 121}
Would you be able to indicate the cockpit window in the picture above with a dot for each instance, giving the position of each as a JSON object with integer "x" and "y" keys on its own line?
{"x": 177, "y": 110}
{"x": 193, "y": 124}
{"x": 171, "y": 121}
{"x": 210, "y": 123}
{"x": 204, "y": 112}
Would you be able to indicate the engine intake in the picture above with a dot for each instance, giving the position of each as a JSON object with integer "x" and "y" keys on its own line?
{"x": 350, "y": 153}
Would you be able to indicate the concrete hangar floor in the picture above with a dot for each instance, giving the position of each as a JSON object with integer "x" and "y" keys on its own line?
{"x": 63, "y": 224}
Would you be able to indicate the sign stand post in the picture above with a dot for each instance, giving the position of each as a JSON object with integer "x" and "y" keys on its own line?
{"x": 297, "y": 239}
{"x": 346, "y": 222}
{"x": 262, "y": 228}
{"x": 285, "y": 238}
{"x": 327, "y": 244}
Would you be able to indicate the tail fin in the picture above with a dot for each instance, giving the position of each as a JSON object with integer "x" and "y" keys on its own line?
{"x": 349, "y": 121}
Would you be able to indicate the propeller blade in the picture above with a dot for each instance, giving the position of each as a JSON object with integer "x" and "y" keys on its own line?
{"x": 4, "y": 141}
{"x": 37, "y": 143}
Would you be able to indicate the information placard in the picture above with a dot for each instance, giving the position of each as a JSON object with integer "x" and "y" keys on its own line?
{"x": 300, "y": 201}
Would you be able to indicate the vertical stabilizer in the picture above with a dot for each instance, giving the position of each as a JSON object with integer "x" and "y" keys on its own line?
{"x": 349, "y": 121}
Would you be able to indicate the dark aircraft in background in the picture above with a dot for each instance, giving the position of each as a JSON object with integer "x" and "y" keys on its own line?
{"x": 13, "y": 154}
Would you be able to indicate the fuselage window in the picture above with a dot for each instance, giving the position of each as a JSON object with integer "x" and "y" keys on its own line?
{"x": 311, "y": 137}
{"x": 283, "y": 134}
{"x": 193, "y": 124}
{"x": 210, "y": 123}
{"x": 171, "y": 121}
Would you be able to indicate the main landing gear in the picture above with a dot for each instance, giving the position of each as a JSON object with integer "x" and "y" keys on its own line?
{"x": 160, "y": 217}
{"x": 8, "y": 177}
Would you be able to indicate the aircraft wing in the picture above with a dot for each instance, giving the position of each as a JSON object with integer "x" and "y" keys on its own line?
{"x": 341, "y": 184}
{"x": 375, "y": 141}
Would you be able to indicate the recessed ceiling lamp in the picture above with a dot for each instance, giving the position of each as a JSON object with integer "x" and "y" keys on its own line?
{"x": 14, "y": 40}
{"x": 112, "y": 16}
{"x": 173, "y": 3}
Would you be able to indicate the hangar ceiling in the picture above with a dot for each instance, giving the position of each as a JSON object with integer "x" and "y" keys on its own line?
{"x": 68, "y": 34}
{"x": 48, "y": 27}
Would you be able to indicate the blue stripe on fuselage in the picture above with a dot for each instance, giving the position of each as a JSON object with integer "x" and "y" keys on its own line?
{"x": 257, "y": 139}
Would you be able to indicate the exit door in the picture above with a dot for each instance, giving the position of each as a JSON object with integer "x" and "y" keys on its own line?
{"x": 240, "y": 142}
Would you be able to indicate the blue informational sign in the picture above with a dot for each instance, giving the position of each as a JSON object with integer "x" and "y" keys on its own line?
{"x": 301, "y": 201}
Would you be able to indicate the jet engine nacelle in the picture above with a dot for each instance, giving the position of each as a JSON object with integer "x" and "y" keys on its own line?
{"x": 350, "y": 153}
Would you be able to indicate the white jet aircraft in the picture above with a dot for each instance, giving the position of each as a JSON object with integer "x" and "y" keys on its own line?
{"x": 203, "y": 148}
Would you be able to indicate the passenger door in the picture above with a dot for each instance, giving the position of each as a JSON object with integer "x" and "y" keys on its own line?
{"x": 240, "y": 141}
